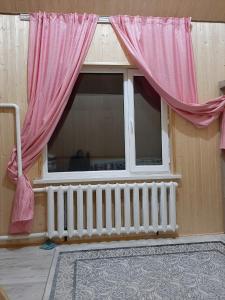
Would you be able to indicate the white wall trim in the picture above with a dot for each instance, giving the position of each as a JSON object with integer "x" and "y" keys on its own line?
{"x": 23, "y": 236}
{"x": 71, "y": 179}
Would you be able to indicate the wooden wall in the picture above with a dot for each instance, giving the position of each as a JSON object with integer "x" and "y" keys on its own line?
{"x": 196, "y": 155}
{"x": 196, "y": 151}
{"x": 200, "y": 10}
{"x": 13, "y": 78}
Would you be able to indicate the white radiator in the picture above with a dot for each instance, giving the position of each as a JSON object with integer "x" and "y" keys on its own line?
{"x": 78, "y": 210}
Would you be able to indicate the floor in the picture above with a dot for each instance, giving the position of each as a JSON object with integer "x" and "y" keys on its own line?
{"x": 24, "y": 271}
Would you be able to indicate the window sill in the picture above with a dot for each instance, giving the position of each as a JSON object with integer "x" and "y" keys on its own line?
{"x": 113, "y": 178}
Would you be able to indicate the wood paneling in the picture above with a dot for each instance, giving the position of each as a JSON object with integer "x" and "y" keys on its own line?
{"x": 104, "y": 55}
{"x": 195, "y": 151}
{"x": 201, "y": 10}
{"x": 13, "y": 78}
{"x": 7, "y": 6}
{"x": 12, "y": 89}
{"x": 209, "y": 44}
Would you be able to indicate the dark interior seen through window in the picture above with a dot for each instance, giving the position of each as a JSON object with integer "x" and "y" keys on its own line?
{"x": 90, "y": 134}
{"x": 147, "y": 118}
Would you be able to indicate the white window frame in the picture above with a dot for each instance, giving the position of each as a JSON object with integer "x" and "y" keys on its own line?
{"x": 164, "y": 127}
{"x": 131, "y": 170}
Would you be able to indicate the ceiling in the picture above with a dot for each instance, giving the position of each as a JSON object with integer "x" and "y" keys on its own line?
{"x": 199, "y": 10}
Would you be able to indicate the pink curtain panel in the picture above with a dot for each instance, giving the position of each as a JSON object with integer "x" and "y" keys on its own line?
{"x": 162, "y": 49}
{"x": 58, "y": 44}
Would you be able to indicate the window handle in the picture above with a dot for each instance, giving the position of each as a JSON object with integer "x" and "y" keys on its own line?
{"x": 132, "y": 127}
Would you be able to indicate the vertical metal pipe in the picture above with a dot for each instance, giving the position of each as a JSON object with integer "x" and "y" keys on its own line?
{"x": 18, "y": 135}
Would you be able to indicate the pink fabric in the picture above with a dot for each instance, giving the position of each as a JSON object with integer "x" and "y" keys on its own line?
{"x": 58, "y": 44}
{"x": 162, "y": 50}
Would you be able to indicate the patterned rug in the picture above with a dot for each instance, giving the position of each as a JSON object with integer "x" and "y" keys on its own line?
{"x": 182, "y": 271}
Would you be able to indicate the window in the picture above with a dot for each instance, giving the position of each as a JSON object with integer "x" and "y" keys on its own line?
{"x": 114, "y": 125}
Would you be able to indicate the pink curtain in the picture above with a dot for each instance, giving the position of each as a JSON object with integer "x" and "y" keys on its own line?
{"x": 162, "y": 49}
{"x": 58, "y": 44}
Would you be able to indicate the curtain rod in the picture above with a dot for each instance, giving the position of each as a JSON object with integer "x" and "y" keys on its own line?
{"x": 102, "y": 19}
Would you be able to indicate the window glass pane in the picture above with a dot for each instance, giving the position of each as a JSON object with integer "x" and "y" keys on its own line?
{"x": 147, "y": 107}
{"x": 90, "y": 134}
